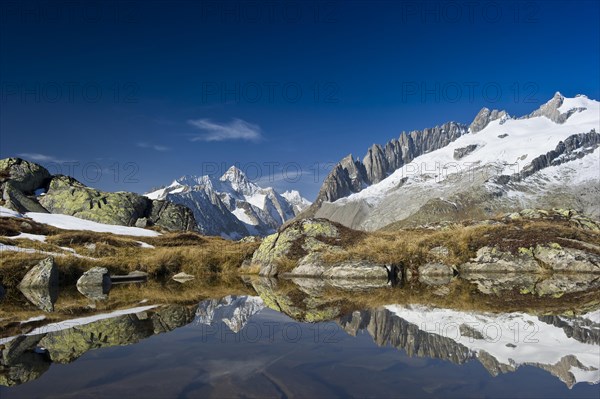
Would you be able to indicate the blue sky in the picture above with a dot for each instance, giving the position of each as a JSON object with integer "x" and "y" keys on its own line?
{"x": 129, "y": 96}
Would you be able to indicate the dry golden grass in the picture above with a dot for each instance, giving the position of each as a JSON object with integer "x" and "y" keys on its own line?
{"x": 173, "y": 253}
{"x": 412, "y": 247}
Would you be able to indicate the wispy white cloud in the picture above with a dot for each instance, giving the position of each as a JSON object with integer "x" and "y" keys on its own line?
{"x": 237, "y": 129}
{"x": 155, "y": 147}
{"x": 37, "y": 157}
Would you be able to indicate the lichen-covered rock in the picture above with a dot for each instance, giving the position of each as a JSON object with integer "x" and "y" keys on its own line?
{"x": 67, "y": 196}
{"x": 559, "y": 284}
{"x": 44, "y": 274}
{"x": 490, "y": 259}
{"x": 95, "y": 276}
{"x": 142, "y": 223}
{"x": 282, "y": 245}
{"x": 25, "y": 176}
{"x": 171, "y": 216}
{"x": 435, "y": 269}
{"x": 567, "y": 259}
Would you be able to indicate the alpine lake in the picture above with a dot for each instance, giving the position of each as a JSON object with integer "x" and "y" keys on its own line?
{"x": 474, "y": 336}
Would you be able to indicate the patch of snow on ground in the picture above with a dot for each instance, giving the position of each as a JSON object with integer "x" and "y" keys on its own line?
{"x": 27, "y": 236}
{"x": 67, "y": 222}
{"x": 5, "y": 212}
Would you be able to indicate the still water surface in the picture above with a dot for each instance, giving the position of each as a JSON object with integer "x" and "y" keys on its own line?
{"x": 241, "y": 346}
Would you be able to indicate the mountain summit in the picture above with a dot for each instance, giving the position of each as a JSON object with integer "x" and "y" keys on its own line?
{"x": 231, "y": 205}
{"x": 499, "y": 163}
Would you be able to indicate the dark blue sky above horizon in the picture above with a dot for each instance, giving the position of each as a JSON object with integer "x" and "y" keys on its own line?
{"x": 129, "y": 96}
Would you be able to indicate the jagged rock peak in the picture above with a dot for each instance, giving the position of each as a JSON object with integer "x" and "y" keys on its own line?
{"x": 238, "y": 180}
{"x": 484, "y": 117}
{"x": 551, "y": 109}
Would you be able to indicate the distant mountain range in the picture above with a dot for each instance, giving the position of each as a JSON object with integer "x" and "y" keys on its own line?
{"x": 498, "y": 163}
{"x": 549, "y": 158}
{"x": 231, "y": 205}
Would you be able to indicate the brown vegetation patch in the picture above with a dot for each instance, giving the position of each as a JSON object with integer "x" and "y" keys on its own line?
{"x": 11, "y": 227}
{"x": 178, "y": 239}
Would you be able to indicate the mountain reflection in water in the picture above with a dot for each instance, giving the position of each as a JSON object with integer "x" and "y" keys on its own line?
{"x": 297, "y": 338}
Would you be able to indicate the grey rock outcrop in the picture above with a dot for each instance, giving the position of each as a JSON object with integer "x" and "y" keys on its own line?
{"x": 171, "y": 216}
{"x": 492, "y": 260}
{"x": 94, "y": 276}
{"x": 567, "y": 259}
{"x": 42, "y": 275}
{"x": 484, "y": 117}
{"x": 16, "y": 200}
{"x": 462, "y": 152}
{"x": 574, "y": 147}
{"x": 68, "y": 196}
{"x": 551, "y": 110}
{"x": 25, "y": 176}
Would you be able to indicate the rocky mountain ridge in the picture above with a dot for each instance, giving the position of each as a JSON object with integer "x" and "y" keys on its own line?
{"x": 499, "y": 163}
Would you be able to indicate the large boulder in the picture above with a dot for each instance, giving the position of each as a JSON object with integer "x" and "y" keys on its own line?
{"x": 40, "y": 285}
{"x": 42, "y": 275}
{"x": 70, "y": 197}
{"x": 25, "y": 176}
{"x": 292, "y": 243}
{"x": 94, "y": 276}
{"x": 171, "y": 216}
{"x": 67, "y": 196}
{"x": 567, "y": 259}
{"x": 493, "y": 260}
{"x": 298, "y": 250}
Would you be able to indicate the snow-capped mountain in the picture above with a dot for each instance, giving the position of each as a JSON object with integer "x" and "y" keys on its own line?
{"x": 498, "y": 163}
{"x": 294, "y": 198}
{"x": 232, "y": 206}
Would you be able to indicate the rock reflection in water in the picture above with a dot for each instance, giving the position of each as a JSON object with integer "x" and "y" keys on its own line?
{"x": 567, "y": 347}
{"x": 42, "y": 297}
